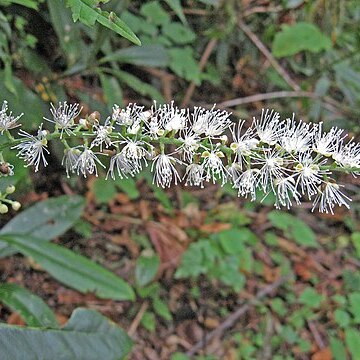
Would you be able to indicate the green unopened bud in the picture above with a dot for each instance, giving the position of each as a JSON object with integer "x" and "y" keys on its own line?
{"x": 10, "y": 189}
{"x": 3, "y": 209}
{"x": 16, "y": 205}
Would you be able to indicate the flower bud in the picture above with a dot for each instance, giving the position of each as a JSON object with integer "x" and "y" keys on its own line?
{"x": 10, "y": 189}
{"x": 3, "y": 209}
{"x": 16, "y": 205}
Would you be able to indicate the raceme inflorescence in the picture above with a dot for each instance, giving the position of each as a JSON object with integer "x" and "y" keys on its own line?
{"x": 291, "y": 159}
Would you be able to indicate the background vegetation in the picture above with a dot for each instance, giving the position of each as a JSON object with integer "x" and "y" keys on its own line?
{"x": 179, "y": 262}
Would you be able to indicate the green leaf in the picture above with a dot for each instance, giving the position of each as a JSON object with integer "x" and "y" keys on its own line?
{"x": 34, "y": 105}
{"x": 311, "y": 298}
{"x": 301, "y": 36}
{"x": 184, "y": 65}
{"x": 178, "y": 33}
{"x": 354, "y": 301}
{"x": 338, "y": 349}
{"x": 148, "y": 321}
{"x": 177, "y": 8}
{"x": 294, "y": 228}
{"x": 355, "y": 238}
{"x": 87, "y": 335}
{"x": 146, "y": 269}
{"x": 32, "y": 4}
{"x": 104, "y": 190}
{"x": 87, "y": 12}
{"x": 30, "y": 307}
{"x": 67, "y": 32}
{"x": 137, "y": 84}
{"x": 161, "y": 308}
{"x": 352, "y": 340}
{"x": 153, "y": 11}
{"x": 342, "y": 317}
{"x": 112, "y": 90}
{"x": 146, "y": 55}
{"x": 72, "y": 269}
{"x": 128, "y": 186}
{"x": 45, "y": 220}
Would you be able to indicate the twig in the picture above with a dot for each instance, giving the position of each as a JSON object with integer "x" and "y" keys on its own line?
{"x": 268, "y": 55}
{"x": 134, "y": 325}
{"x": 232, "y": 318}
{"x": 266, "y": 354}
{"x": 261, "y": 9}
{"x": 317, "y": 337}
{"x": 267, "y": 96}
{"x": 204, "y": 58}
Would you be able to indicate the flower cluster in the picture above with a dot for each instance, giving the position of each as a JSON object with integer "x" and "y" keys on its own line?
{"x": 290, "y": 159}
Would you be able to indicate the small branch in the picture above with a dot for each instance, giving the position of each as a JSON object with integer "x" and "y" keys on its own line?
{"x": 317, "y": 337}
{"x": 204, "y": 58}
{"x": 267, "y": 96}
{"x": 134, "y": 325}
{"x": 232, "y": 318}
{"x": 268, "y": 55}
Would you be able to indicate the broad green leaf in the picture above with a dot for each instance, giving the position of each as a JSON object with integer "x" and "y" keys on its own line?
{"x": 355, "y": 238}
{"x": 87, "y": 335}
{"x": 352, "y": 340}
{"x": 104, "y": 190}
{"x": 148, "y": 321}
{"x": 146, "y": 55}
{"x": 311, "y": 298}
{"x": 87, "y": 12}
{"x": 177, "y": 8}
{"x": 153, "y": 11}
{"x": 112, "y": 91}
{"x": 34, "y": 105}
{"x": 128, "y": 186}
{"x": 45, "y": 220}
{"x": 301, "y": 36}
{"x": 184, "y": 64}
{"x": 73, "y": 270}
{"x": 337, "y": 349}
{"x": 137, "y": 84}
{"x": 146, "y": 269}
{"x": 161, "y": 308}
{"x": 233, "y": 240}
{"x": 342, "y": 317}
{"x": 294, "y": 228}
{"x": 67, "y": 32}
{"x": 354, "y": 300}
{"x": 30, "y": 307}
{"x": 178, "y": 33}
{"x": 32, "y": 4}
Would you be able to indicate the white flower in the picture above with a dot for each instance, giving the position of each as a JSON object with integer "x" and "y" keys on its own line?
{"x": 347, "y": 155}
{"x": 269, "y": 128}
{"x": 64, "y": 116}
{"x": 285, "y": 191}
{"x": 234, "y": 171}
{"x": 194, "y": 175}
{"x": 32, "y": 148}
{"x": 71, "y": 156}
{"x": 247, "y": 183}
{"x": 165, "y": 170}
{"x": 190, "y": 145}
{"x": 325, "y": 142}
{"x": 126, "y": 116}
{"x": 244, "y": 144}
{"x": 172, "y": 118}
{"x": 8, "y": 121}
{"x": 122, "y": 165}
{"x": 309, "y": 175}
{"x": 102, "y": 133}
{"x": 272, "y": 167}
{"x": 211, "y": 123}
{"x": 134, "y": 152}
{"x": 296, "y": 136}
{"x": 329, "y": 196}
{"x": 213, "y": 166}
{"x": 86, "y": 163}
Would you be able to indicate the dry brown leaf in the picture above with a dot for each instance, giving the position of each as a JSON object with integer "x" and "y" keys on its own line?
{"x": 15, "y": 319}
{"x": 215, "y": 227}
{"x": 324, "y": 354}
